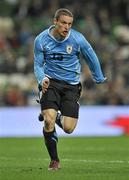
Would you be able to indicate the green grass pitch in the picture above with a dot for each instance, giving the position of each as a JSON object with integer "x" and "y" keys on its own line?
{"x": 82, "y": 158}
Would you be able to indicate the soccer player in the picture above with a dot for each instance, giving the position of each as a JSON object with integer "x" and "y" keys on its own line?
{"x": 57, "y": 69}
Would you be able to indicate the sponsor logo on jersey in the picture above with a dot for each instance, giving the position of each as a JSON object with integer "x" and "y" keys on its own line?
{"x": 69, "y": 49}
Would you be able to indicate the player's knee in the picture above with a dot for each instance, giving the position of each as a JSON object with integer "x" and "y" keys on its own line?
{"x": 69, "y": 124}
{"x": 68, "y": 130}
{"x": 48, "y": 117}
{"x": 49, "y": 121}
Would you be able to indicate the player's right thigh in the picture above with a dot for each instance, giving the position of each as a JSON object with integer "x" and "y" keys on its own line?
{"x": 49, "y": 107}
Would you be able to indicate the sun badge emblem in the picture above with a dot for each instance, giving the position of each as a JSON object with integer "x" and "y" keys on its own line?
{"x": 69, "y": 49}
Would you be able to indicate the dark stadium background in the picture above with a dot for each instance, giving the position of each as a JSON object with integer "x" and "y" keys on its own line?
{"x": 100, "y": 146}
{"x": 105, "y": 24}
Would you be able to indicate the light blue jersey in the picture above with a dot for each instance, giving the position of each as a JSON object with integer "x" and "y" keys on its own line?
{"x": 60, "y": 59}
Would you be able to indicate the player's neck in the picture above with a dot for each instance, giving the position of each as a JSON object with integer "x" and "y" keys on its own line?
{"x": 56, "y": 35}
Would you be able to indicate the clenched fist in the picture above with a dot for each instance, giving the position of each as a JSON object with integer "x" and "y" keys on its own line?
{"x": 45, "y": 84}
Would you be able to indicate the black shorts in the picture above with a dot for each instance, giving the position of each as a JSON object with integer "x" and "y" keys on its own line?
{"x": 62, "y": 96}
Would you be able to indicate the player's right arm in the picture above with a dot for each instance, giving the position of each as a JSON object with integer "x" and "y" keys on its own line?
{"x": 38, "y": 61}
{"x": 38, "y": 65}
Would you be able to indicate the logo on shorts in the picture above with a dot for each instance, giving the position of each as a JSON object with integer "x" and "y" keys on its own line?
{"x": 69, "y": 49}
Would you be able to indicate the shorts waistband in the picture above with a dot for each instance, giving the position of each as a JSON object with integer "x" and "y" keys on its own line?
{"x": 62, "y": 82}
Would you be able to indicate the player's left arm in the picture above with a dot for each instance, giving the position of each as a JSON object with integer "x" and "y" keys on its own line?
{"x": 92, "y": 60}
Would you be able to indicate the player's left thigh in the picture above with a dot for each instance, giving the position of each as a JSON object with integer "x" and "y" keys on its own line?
{"x": 70, "y": 112}
{"x": 69, "y": 124}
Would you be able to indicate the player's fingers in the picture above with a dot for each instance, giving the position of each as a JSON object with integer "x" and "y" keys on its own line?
{"x": 46, "y": 84}
{"x": 44, "y": 89}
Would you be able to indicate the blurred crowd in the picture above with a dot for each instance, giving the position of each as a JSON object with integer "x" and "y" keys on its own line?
{"x": 105, "y": 24}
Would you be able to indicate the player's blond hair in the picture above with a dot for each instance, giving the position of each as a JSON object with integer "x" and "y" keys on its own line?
{"x": 62, "y": 11}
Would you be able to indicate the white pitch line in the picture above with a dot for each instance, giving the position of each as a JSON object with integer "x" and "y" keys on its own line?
{"x": 69, "y": 160}
{"x": 95, "y": 161}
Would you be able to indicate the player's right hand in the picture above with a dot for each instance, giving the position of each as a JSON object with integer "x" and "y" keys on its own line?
{"x": 45, "y": 84}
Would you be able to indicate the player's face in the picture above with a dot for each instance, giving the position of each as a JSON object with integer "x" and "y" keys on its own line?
{"x": 63, "y": 25}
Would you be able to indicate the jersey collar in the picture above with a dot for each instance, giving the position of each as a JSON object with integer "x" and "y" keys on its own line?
{"x": 49, "y": 29}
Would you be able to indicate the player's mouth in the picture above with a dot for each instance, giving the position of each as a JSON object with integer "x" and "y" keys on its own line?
{"x": 65, "y": 33}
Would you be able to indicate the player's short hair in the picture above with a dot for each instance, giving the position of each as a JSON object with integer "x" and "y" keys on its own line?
{"x": 62, "y": 11}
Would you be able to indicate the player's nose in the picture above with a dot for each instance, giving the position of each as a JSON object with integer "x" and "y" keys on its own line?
{"x": 66, "y": 26}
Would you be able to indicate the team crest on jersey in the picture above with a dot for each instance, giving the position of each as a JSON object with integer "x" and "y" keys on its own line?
{"x": 69, "y": 49}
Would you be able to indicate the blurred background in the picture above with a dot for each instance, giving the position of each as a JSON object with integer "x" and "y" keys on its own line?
{"x": 105, "y": 24}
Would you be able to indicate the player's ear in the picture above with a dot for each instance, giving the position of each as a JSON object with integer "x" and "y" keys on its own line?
{"x": 55, "y": 21}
